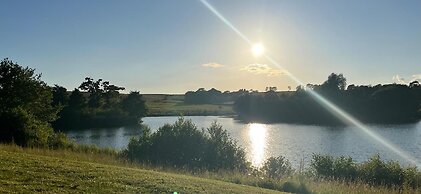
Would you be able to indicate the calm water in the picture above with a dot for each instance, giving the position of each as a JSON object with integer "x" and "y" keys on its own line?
{"x": 295, "y": 142}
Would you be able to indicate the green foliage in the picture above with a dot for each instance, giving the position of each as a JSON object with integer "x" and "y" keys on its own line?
{"x": 21, "y": 88}
{"x": 26, "y": 106}
{"x": 101, "y": 93}
{"x": 212, "y": 96}
{"x": 182, "y": 145}
{"x": 100, "y": 106}
{"x": 374, "y": 171}
{"x": 60, "y": 96}
{"x": 27, "y": 130}
{"x": 277, "y": 167}
{"x": 59, "y": 140}
{"x": 294, "y": 187}
{"x": 335, "y": 82}
{"x": 336, "y": 168}
{"x": 391, "y": 103}
{"x": 134, "y": 105}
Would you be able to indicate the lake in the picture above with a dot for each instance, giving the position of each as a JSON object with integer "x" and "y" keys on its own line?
{"x": 295, "y": 142}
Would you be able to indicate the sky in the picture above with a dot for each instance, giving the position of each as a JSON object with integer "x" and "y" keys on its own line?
{"x": 167, "y": 46}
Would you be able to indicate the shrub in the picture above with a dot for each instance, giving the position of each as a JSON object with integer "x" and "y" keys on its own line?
{"x": 322, "y": 165}
{"x": 335, "y": 168}
{"x": 377, "y": 172}
{"x": 222, "y": 151}
{"x": 22, "y": 128}
{"x": 345, "y": 168}
{"x": 277, "y": 167}
{"x": 373, "y": 172}
{"x": 182, "y": 145}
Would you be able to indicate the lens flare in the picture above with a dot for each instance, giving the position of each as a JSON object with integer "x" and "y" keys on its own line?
{"x": 344, "y": 116}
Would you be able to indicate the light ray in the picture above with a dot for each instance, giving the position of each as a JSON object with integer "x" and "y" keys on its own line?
{"x": 338, "y": 112}
{"x": 228, "y": 23}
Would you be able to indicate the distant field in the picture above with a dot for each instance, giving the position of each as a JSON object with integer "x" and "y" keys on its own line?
{"x": 28, "y": 171}
{"x": 173, "y": 105}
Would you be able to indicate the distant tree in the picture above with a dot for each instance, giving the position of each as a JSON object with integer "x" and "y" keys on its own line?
{"x": 60, "y": 96}
{"x": 201, "y": 96}
{"x": 311, "y": 86}
{"x": 271, "y": 89}
{"x": 76, "y": 100}
{"x": 335, "y": 82}
{"x": 393, "y": 103}
{"x": 299, "y": 88}
{"x": 95, "y": 91}
{"x": 100, "y": 92}
{"x": 111, "y": 94}
{"x": 134, "y": 105}
{"x": 414, "y": 84}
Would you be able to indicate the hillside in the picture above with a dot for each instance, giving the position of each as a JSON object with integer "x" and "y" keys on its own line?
{"x": 173, "y": 105}
{"x": 24, "y": 171}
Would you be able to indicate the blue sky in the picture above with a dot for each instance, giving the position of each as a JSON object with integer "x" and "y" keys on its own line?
{"x": 163, "y": 46}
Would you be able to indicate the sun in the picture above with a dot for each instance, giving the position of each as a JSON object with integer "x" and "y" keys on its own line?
{"x": 258, "y": 49}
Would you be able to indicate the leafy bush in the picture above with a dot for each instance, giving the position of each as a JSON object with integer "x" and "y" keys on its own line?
{"x": 26, "y": 109}
{"x": 277, "y": 168}
{"x": 182, "y": 145}
{"x": 336, "y": 168}
{"x": 373, "y": 172}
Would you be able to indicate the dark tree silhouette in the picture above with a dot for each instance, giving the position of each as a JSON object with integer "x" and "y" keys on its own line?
{"x": 134, "y": 105}
{"x": 391, "y": 103}
{"x": 104, "y": 107}
{"x": 26, "y": 106}
{"x": 60, "y": 96}
{"x": 335, "y": 82}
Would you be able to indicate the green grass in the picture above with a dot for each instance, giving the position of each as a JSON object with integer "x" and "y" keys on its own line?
{"x": 173, "y": 105}
{"x": 28, "y": 170}
{"x": 46, "y": 171}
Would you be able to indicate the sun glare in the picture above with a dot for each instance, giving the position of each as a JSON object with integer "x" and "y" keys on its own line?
{"x": 257, "y": 136}
{"x": 258, "y": 49}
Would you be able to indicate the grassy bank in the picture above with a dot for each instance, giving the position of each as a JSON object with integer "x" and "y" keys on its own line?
{"x": 173, "y": 105}
{"x": 26, "y": 170}
{"x": 32, "y": 170}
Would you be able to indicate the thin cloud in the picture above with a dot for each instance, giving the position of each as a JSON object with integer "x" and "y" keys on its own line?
{"x": 263, "y": 69}
{"x": 212, "y": 65}
{"x": 416, "y": 77}
{"x": 400, "y": 80}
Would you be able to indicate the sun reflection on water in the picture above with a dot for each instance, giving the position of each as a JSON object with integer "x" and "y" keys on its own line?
{"x": 257, "y": 135}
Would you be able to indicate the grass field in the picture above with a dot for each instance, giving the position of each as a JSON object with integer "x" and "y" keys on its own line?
{"x": 29, "y": 170}
{"x": 173, "y": 105}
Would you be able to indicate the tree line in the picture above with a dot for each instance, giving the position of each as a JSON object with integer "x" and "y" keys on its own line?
{"x": 97, "y": 103}
{"x": 390, "y": 103}
{"x": 31, "y": 110}
{"x": 212, "y": 96}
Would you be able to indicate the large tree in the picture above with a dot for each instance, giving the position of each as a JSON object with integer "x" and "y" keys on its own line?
{"x": 335, "y": 82}
{"x": 100, "y": 93}
{"x": 26, "y": 105}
